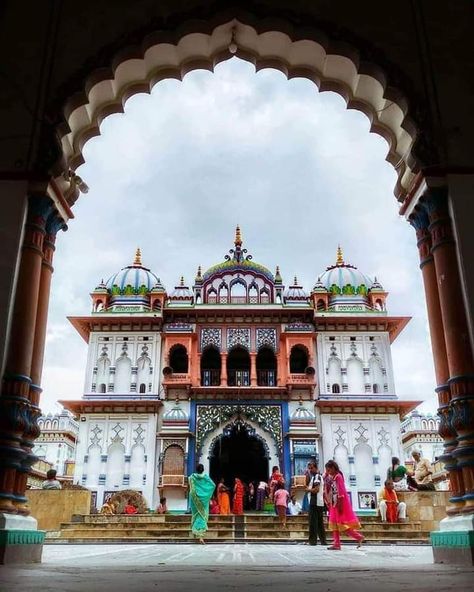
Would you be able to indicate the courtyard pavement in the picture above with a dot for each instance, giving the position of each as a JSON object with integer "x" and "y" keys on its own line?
{"x": 234, "y": 567}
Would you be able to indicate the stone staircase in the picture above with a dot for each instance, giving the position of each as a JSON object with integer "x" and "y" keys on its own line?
{"x": 250, "y": 528}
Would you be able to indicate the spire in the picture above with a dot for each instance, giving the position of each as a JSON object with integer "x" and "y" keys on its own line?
{"x": 295, "y": 281}
{"x": 199, "y": 274}
{"x": 278, "y": 279}
{"x": 238, "y": 237}
{"x": 138, "y": 257}
{"x": 340, "y": 256}
{"x": 181, "y": 282}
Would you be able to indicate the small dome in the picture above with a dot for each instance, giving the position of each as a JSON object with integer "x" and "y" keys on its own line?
{"x": 295, "y": 293}
{"x": 301, "y": 414}
{"x": 181, "y": 292}
{"x": 175, "y": 414}
{"x": 133, "y": 280}
{"x": 319, "y": 286}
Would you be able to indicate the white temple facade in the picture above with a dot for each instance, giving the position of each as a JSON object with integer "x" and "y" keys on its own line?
{"x": 239, "y": 373}
{"x": 57, "y": 442}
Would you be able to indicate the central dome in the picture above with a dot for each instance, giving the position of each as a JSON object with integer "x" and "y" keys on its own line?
{"x": 238, "y": 260}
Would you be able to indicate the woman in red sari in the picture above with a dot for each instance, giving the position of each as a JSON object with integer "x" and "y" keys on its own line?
{"x": 341, "y": 515}
{"x": 238, "y": 502}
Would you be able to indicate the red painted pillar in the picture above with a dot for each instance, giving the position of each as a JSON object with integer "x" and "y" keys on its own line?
{"x": 17, "y": 415}
{"x": 456, "y": 333}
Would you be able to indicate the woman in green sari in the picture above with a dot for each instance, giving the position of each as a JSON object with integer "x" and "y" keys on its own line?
{"x": 201, "y": 490}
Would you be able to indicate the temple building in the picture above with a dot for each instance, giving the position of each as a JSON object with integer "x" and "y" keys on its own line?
{"x": 239, "y": 372}
{"x": 57, "y": 442}
{"x": 420, "y": 432}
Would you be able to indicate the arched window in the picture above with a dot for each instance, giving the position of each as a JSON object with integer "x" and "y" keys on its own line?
{"x": 375, "y": 388}
{"x": 264, "y": 296}
{"x": 238, "y": 367}
{"x": 379, "y": 304}
{"x": 423, "y": 424}
{"x": 173, "y": 461}
{"x": 223, "y": 293}
{"x": 298, "y": 359}
{"x": 102, "y": 388}
{"x": 336, "y": 388}
{"x": 211, "y": 296}
{"x": 321, "y": 305}
{"x": 210, "y": 366}
{"x": 266, "y": 367}
{"x": 238, "y": 292}
{"x": 142, "y": 388}
{"x": 253, "y": 294}
{"x": 179, "y": 359}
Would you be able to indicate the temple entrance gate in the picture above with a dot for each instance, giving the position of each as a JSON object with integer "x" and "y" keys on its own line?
{"x": 239, "y": 452}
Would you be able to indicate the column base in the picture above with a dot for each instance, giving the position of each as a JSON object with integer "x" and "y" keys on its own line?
{"x": 454, "y": 542}
{"x": 20, "y": 539}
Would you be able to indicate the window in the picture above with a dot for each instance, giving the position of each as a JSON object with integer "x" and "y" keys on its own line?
{"x": 102, "y": 388}
{"x": 298, "y": 359}
{"x": 142, "y": 388}
{"x": 179, "y": 359}
{"x": 375, "y": 388}
{"x": 336, "y": 388}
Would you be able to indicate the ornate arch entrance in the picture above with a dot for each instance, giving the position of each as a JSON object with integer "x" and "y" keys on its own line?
{"x": 45, "y": 144}
{"x": 239, "y": 452}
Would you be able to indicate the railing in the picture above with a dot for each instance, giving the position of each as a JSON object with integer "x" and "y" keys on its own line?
{"x": 238, "y": 378}
{"x": 210, "y": 377}
{"x": 266, "y": 377}
{"x": 176, "y": 378}
{"x": 238, "y": 299}
{"x": 300, "y": 379}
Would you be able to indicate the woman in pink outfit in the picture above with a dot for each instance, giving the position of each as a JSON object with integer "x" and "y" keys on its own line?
{"x": 341, "y": 515}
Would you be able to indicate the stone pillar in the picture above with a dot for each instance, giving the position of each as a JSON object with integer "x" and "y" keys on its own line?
{"x": 457, "y": 530}
{"x": 223, "y": 369}
{"x": 253, "y": 368}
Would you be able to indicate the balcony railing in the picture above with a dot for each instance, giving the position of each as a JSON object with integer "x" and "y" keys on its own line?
{"x": 210, "y": 377}
{"x": 238, "y": 377}
{"x": 266, "y": 377}
{"x": 300, "y": 379}
{"x": 173, "y": 481}
{"x": 177, "y": 378}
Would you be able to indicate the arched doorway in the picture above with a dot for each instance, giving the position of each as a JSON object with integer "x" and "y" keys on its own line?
{"x": 239, "y": 452}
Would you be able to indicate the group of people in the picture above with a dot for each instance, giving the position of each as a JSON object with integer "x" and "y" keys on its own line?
{"x": 420, "y": 478}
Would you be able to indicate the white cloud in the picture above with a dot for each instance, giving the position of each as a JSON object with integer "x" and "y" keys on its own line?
{"x": 181, "y": 167}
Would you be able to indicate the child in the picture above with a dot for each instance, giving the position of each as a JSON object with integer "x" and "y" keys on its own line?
{"x": 281, "y": 497}
{"x": 261, "y": 495}
{"x": 162, "y": 507}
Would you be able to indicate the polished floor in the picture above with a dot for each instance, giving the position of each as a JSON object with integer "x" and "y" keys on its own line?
{"x": 234, "y": 567}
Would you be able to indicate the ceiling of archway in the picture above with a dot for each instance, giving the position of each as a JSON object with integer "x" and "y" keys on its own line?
{"x": 106, "y": 93}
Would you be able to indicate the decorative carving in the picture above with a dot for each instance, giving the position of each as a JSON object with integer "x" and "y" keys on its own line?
{"x": 266, "y": 337}
{"x": 173, "y": 442}
{"x": 239, "y": 424}
{"x": 117, "y": 434}
{"x": 211, "y": 336}
{"x": 210, "y": 417}
{"x": 299, "y": 327}
{"x": 238, "y": 336}
{"x": 179, "y": 327}
{"x": 340, "y": 436}
{"x": 361, "y": 430}
{"x": 138, "y": 433}
{"x": 96, "y": 437}
{"x": 384, "y": 437}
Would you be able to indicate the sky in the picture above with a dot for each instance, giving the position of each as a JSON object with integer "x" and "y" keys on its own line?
{"x": 181, "y": 167}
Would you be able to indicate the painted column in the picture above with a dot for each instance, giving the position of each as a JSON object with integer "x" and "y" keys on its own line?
{"x": 18, "y": 417}
{"x": 420, "y": 221}
{"x": 457, "y": 338}
{"x": 253, "y": 369}
{"x": 223, "y": 369}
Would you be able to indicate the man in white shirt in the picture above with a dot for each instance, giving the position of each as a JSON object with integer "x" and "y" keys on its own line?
{"x": 294, "y": 507}
{"x": 51, "y": 481}
{"x": 315, "y": 490}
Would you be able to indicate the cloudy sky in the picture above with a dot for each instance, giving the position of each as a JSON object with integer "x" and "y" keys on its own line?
{"x": 177, "y": 172}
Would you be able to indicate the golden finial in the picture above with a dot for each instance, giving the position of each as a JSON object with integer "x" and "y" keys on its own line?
{"x": 340, "y": 256}
{"x": 238, "y": 237}
{"x": 138, "y": 257}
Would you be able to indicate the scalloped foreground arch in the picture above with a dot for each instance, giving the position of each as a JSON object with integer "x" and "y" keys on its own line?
{"x": 137, "y": 71}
